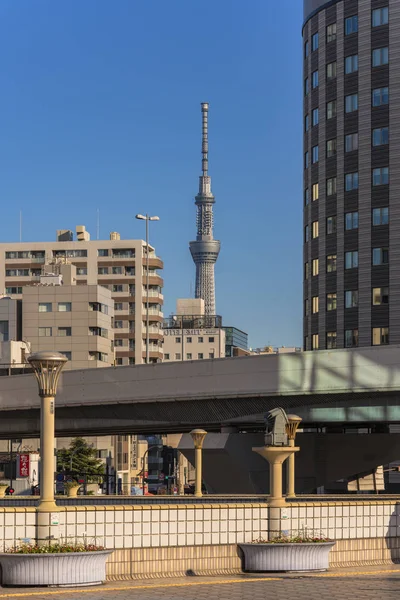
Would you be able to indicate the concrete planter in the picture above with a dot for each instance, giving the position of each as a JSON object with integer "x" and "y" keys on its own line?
{"x": 3, "y": 487}
{"x": 63, "y": 569}
{"x": 286, "y": 556}
{"x": 72, "y": 490}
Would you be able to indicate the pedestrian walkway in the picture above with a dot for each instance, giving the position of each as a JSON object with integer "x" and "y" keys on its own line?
{"x": 344, "y": 584}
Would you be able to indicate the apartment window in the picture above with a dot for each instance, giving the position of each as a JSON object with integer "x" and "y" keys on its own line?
{"x": 306, "y": 160}
{"x": 166, "y": 356}
{"x": 98, "y": 307}
{"x": 315, "y": 341}
{"x": 331, "y": 186}
{"x": 177, "y": 356}
{"x": 380, "y": 216}
{"x": 314, "y": 42}
{"x": 64, "y": 307}
{"x": 45, "y": 331}
{"x": 331, "y": 225}
{"x": 118, "y": 324}
{"x": 331, "y": 33}
{"x": 380, "y": 56}
{"x": 306, "y": 233}
{"x": 331, "y": 263}
{"x": 351, "y": 181}
{"x": 306, "y": 86}
{"x": 351, "y": 299}
{"x": 102, "y": 270}
{"x": 211, "y": 355}
{"x": 380, "y": 256}
{"x": 81, "y": 271}
{"x": 315, "y": 229}
{"x": 118, "y": 306}
{"x": 200, "y": 356}
{"x": 188, "y": 356}
{"x": 189, "y": 340}
{"x": 17, "y": 272}
{"x": 131, "y": 271}
{"x": 314, "y": 154}
{"x": 351, "y": 103}
{"x": 331, "y": 109}
{"x": 380, "y": 136}
{"x": 331, "y": 70}
{"x": 351, "y": 260}
{"x": 380, "y": 16}
{"x": 306, "y": 270}
{"x": 64, "y": 331}
{"x": 200, "y": 340}
{"x": 331, "y": 148}
{"x": 315, "y": 192}
{"x": 306, "y": 123}
{"x": 306, "y": 49}
{"x": 306, "y": 307}
{"x": 351, "y": 25}
{"x": 351, "y": 142}
{"x": 211, "y": 340}
{"x": 117, "y": 288}
{"x": 351, "y": 221}
{"x": 67, "y": 354}
{"x": 380, "y": 176}
{"x": 306, "y": 196}
{"x": 315, "y": 266}
{"x": 380, "y": 336}
{"x": 45, "y": 307}
{"x": 123, "y": 253}
{"x": 351, "y": 64}
{"x": 178, "y": 340}
{"x": 331, "y": 301}
{"x": 14, "y": 290}
{"x": 331, "y": 340}
{"x": 315, "y": 305}
{"x": 351, "y": 338}
{"x": 117, "y": 270}
{"x": 314, "y": 80}
{"x": 380, "y": 296}
{"x": 102, "y": 252}
{"x": 380, "y": 96}
{"x": 315, "y": 117}
{"x": 118, "y": 342}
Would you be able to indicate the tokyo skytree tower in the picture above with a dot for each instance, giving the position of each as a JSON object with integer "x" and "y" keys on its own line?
{"x": 205, "y": 249}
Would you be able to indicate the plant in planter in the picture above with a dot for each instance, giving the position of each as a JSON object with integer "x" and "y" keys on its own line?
{"x": 60, "y": 564}
{"x": 3, "y": 486}
{"x": 72, "y": 488}
{"x": 302, "y": 551}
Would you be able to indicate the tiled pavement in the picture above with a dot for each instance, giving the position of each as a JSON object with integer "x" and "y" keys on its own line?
{"x": 344, "y": 584}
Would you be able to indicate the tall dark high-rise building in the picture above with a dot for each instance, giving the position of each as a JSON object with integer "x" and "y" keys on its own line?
{"x": 351, "y": 124}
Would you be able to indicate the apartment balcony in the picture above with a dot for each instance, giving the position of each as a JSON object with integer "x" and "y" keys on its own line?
{"x": 155, "y": 333}
{"x": 152, "y": 294}
{"x": 154, "y": 262}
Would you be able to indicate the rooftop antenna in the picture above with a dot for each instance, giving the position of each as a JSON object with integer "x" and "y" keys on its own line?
{"x": 20, "y": 225}
{"x": 98, "y": 224}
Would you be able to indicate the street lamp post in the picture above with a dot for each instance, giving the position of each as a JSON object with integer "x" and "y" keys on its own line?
{"x": 47, "y": 367}
{"x": 147, "y": 218}
{"x": 198, "y": 436}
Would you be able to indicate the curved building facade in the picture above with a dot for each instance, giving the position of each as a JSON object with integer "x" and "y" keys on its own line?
{"x": 351, "y": 124}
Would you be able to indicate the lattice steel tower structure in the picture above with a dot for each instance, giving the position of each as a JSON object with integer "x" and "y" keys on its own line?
{"x": 205, "y": 249}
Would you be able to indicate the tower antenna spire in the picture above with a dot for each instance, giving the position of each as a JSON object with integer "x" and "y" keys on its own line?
{"x": 204, "y": 145}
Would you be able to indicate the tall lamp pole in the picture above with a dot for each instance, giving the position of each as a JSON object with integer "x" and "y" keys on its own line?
{"x": 147, "y": 218}
{"x": 47, "y": 367}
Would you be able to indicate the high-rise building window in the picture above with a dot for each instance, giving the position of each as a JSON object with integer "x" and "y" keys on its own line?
{"x": 351, "y": 25}
{"x": 200, "y": 340}
{"x": 331, "y": 70}
{"x": 166, "y": 356}
{"x": 45, "y": 331}
{"x": 331, "y": 148}
{"x": 351, "y": 142}
{"x": 306, "y": 160}
{"x": 314, "y": 42}
{"x": 380, "y": 16}
{"x": 331, "y": 109}
{"x": 178, "y": 340}
{"x": 315, "y": 266}
{"x": 315, "y": 192}
{"x": 64, "y": 306}
{"x": 351, "y": 181}
{"x": 102, "y": 252}
{"x": 351, "y": 103}
{"x": 331, "y": 263}
{"x": 306, "y": 270}
{"x": 380, "y": 295}
{"x": 380, "y": 136}
{"x": 380, "y": 216}
{"x": 351, "y": 64}
{"x": 200, "y": 356}
{"x": 330, "y": 340}
{"x": 189, "y": 356}
{"x": 380, "y": 336}
{"x": 306, "y": 233}
{"x": 331, "y": 225}
{"x": 351, "y": 259}
{"x": 380, "y": 56}
{"x": 67, "y": 354}
{"x": 351, "y": 298}
{"x": 351, "y": 221}
{"x": 315, "y": 117}
{"x": 315, "y": 305}
{"x": 315, "y": 153}
{"x": 306, "y": 89}
{"x": 315, "y": 341}
{"x": 380, "y": 96}
{"x": 331, "y": 301}
{"x": 315, "y": 229}
{"x": 306, "y": 48}
{"x": 380, "y": 176}
{"x": 306, "y": 196}
{"x": 331, "y": 33}
{"x": 351, "y": 338}
{"x": 45, "y": 307}
{"x": 64, "y": 331}
{"x": 306, "y": 123}
{"x": 177, "y": 356}
{"x": 314, "y": 79}
{"x": 380, "y": 256}
{"x": 331, "y": 186}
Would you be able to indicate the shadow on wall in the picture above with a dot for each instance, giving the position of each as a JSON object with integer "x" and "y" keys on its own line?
{"x": 392, "y": 537}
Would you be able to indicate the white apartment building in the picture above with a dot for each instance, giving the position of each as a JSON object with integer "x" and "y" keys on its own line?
{"x": 118, "y": 265}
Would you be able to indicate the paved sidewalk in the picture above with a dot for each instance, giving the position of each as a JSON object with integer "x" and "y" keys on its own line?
{"x": 344, "y": 584}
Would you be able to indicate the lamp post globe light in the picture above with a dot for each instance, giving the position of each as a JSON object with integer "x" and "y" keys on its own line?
{"x": 147, "y": 218}
{"x": 291, "y": 430}
{"x": 47, "y": 367}
{"x": 198, "y": 436}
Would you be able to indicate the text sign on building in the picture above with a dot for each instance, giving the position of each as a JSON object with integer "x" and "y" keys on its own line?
{"x": 23, "y": 465}
{"x": 174, "y": 332}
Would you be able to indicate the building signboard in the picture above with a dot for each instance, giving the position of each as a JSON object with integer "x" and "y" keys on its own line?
{"x": 23, "y": 465}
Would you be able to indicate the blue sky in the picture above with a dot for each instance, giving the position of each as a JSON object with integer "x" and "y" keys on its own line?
{"x": 100, "y": 109}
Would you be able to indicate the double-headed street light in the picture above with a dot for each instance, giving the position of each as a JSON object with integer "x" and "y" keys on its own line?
{"x": 47, "y": 367}
{"x": 147, "y": 218}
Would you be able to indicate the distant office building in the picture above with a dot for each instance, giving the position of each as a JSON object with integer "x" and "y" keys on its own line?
{"x": 236, "y": 341}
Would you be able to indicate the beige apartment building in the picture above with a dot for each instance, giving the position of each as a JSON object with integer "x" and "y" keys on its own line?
{"x": 115, "y": 264}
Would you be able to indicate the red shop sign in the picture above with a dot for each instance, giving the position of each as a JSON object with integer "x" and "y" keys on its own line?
{"x": 23, "y": 465}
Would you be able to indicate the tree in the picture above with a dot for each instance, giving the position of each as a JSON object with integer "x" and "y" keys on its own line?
{"x": 80, "y": 459}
